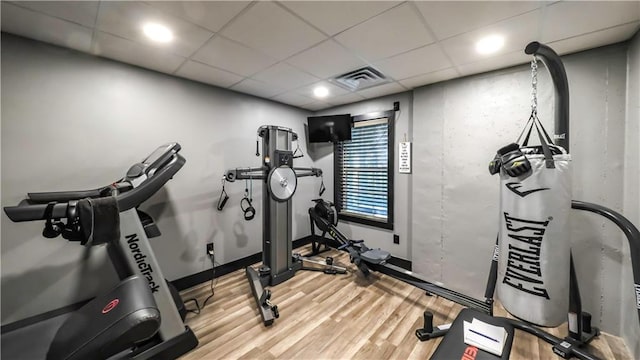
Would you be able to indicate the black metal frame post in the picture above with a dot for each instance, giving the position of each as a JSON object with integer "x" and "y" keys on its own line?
{"x": 558, "y": 74}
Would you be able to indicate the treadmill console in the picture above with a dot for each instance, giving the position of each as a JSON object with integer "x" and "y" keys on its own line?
{"x": 160, "y": 157}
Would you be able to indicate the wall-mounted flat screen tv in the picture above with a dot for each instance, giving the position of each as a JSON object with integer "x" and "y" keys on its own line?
{"x": 333, "y": 128}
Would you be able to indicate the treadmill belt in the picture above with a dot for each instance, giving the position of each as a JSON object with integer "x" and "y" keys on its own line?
{"x": 31, "y": 342}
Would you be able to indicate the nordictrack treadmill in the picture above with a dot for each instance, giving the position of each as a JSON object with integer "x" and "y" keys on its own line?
{"x": 131, "y": 255}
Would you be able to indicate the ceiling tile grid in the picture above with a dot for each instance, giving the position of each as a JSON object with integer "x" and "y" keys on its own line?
{"x": 232, "y": 56}
{"x": 292, "y": 98}
{"x": 522, "y": 29}
{"x": 395, "y": 31}
{"x": 126, "y": 19}
{"x": 257, "y": 88}
{"x": 127, "y": 51}
{"x": 333, "y": 17}
{"x": 430, "y": 78}
{"x": 347, "y": 99}
{"x": 282, "y": 49}
{"x": 285, "y": 76}
{"x": 204, "y": 73}
{"x": 595, "y": 39}
{"x": 334, "y": 91}
{"x": 326, "y": 59}
{"x": 82, "y": 13}
{"x": 423, "y": 60}
{"x": 271, "y": 29}
{"x": 35, "y": 25}
{"x": 566, "y": 19}
{"x": 381, "y": 90}
{"x": 449, "y": 18}
{"x": 211, "y": 15}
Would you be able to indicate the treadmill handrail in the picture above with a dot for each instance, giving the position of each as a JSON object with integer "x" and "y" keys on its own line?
{"x": 126, "y": 201}
{"x": 62, "y": 196}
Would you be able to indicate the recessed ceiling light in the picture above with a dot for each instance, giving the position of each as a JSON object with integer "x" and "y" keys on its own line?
{"x": 157, "y": 32}
{"x": 321, "y": 91}
{"x": 490, "y": 44}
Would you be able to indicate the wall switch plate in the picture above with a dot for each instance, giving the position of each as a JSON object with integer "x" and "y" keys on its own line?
{"x": 396, "y": 239}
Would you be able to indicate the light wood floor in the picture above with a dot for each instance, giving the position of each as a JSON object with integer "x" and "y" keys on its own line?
{"x": 338, "y": 317}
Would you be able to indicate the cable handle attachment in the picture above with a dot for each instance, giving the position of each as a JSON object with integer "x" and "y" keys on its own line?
{"x": 322, "y": 187}
{"x": 222, "y": 201}
{"x": 297, "y": 153}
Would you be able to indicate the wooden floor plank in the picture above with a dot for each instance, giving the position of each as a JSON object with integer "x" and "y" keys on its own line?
{"x": 339, "y": 317}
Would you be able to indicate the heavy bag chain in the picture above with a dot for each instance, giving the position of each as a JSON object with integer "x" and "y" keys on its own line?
{"x": 534, "y": 85}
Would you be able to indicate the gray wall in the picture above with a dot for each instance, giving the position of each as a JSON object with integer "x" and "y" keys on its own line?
{"x": 377, "y": 237}
{"x": 630, "y": 327}
{"x": 457, "y": 128}
{"x": 72, "y": 121}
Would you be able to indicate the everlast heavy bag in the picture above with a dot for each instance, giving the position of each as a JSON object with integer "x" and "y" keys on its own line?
{"x": 534, "y": 242}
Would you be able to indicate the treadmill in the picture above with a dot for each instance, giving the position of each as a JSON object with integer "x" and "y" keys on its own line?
{"x": 133, "y": 260}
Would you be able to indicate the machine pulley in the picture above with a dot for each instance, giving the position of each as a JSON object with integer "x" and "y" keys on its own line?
{"x": 282, "y": 183}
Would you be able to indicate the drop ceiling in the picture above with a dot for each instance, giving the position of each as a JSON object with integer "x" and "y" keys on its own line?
{"x": 282, "y": 50}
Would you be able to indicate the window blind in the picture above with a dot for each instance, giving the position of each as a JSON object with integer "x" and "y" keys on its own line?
{"x": 363, "y": 165}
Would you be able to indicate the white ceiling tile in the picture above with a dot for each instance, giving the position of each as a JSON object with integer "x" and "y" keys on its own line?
{"x": 212, "y": 15}
{"x": 429, "y": 78}
{"x": 395, "y": 31}
{"x": 257, "y": 88}
{"x": 420, "y": 61}
{"x": 283, "y": 46}
{"x": 595, "y": 39}
{"x": 232, "y": 56}
{"x": 79, "y": 12}
{"x": 518, "y": 32}
{"x": 568, "y": 18}
{"x": 346, "y": 99}
{"x": 333, "y": 17}
{"x": 381, "y": 90}
{"x": 35, "y": 25}
{"x": 494, "y": 63}
{"x": 207, "y": 74}
{"x": 284, "y": 76}
{"x": 316, "y": 105}
{"x": 449, "y": 18}
{"x": 127, "y": 51}
{"x": 271, "y": 29}
{"x": 314, "y": 60}
{"x": 126, "y": 19}
{"x": 292, "y": 98}
{"x": 333, "y": 90}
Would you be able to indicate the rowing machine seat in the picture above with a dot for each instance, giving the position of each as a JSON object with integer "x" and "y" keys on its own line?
{"x": 375, "y": 256}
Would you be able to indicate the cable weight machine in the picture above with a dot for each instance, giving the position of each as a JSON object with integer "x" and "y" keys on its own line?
{"x": 279, "y": 182}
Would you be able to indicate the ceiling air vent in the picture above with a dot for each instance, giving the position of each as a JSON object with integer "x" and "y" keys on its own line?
{"x": 363, "y": 78}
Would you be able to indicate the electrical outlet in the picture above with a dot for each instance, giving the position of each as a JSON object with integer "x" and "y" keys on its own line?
{"x": 210, "y": 249}
{"x": 396, "y": 239}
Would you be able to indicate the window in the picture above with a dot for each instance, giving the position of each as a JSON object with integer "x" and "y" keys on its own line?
{"x": 363, "y": 171}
